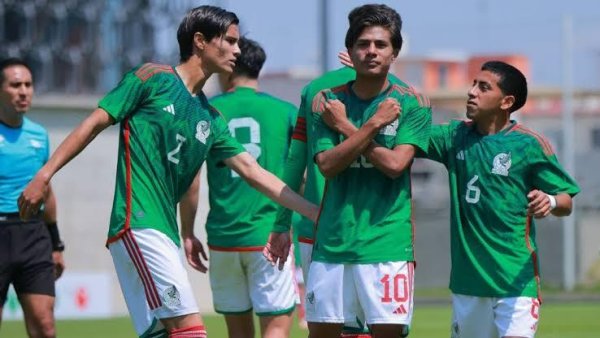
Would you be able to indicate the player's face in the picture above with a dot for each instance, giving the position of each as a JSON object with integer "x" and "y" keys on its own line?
{"x": 223, "y": 51}
{"x": 485, "y": 97}
{"x": 372, "y": 53}
{"x": 17, "y": 89}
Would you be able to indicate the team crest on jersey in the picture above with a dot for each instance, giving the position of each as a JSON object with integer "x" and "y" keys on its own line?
{"x": 203, "y": 131}
{"x": 391, "y": 129}
{"x": 501, "y": 164}
{"x": 171, "y": 296}
{"x": 311, "y": 297}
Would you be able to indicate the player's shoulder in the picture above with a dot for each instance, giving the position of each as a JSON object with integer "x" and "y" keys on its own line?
{"x": 334, "y": 93}
{"x": 149, "y": 70}
{"x": 408, "y": 94}
{"x": 532, "y": 137}
{"x": 32, "y": 127}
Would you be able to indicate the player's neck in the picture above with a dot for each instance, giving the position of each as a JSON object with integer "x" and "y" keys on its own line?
{"x": 244, "y": 82}
{"x": 11, "y": 119}
{"x": 192, "y": 74}
{"x": 493, "y": 124}
{"x": 367, "y": 87}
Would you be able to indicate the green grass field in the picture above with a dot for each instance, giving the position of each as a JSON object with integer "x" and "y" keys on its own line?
{"x": 559, "y": 320}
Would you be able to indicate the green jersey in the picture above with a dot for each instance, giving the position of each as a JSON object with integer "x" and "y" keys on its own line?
{"x": 365, "y": 215}
{"x": 300, "y": 155}
{"x": 240, "y": 216}
{"x": 494, "y": 253}
{"x": 165, "y": 135}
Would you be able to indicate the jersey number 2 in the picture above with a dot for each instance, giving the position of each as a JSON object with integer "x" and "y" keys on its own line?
{"x": 252, "y": 147}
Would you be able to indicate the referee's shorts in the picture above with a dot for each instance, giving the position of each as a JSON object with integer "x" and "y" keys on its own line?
{"x": 25, "y": 256}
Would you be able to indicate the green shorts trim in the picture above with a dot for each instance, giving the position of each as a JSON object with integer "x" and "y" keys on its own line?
{"x": 277, "y": 313}
{"x": 233, "y": 312}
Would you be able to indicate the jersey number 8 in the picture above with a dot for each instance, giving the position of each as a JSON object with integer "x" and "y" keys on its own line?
{"x": 252, "y": 147}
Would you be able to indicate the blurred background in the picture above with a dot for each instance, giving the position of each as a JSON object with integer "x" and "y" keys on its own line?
{"x": 79, "y": 49}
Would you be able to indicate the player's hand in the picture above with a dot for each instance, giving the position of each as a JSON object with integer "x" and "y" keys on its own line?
{"x": 59, "y": 264}
{"x": 344, "y": 58}
{"x": 32, "y": 198}
{"x": 334, "y": 114}
{"x": 387, "y": 112}
{"x": 539, "y": 204}
{"x": 193, "y": 251}
{"x": 277, "y": 248}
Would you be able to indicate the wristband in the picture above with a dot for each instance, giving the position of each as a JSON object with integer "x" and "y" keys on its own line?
{"x": 552, "y": 200}
{"x": 57, "y": 244}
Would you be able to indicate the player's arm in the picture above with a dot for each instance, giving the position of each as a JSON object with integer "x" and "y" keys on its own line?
{"x": 553, "y": 188}
{"x": 270, "y": 185}
{"x": 188, "y": 206}
{"x": 35, "y": 192}
{"x": 542, "y": 204}
{"x": 57, "y": 244}
{"x": 332, "y": 161}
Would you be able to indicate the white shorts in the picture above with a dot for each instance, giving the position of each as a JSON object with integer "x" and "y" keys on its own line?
{"x": 382, "y": 293}
{"x": 153, "y": 279}
{"x": 487, "y": 317}
{"x": 242, "y": 281}
{"x": 306, "y": 257}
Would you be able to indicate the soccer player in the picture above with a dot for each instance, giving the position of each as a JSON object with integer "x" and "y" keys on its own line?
{"x": 167, "y": 130}
{"x": 241, "y": 218}
{"x": 30, "y": 251}
{"x": 502, "y": 175}
{"x": 300, "y": 161}
{"x": 364, "y": 232}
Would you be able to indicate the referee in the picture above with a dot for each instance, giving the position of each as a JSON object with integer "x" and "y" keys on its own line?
{"x": 30, "y": 251}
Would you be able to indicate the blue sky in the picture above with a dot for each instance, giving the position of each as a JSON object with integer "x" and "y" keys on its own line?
{"x": 289, "y": 31}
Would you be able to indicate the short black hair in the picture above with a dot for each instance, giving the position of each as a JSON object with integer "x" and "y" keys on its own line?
{"x": 251, "y": 59}
{"x": 374, "y": 15}
{"x": 9, "y": 62}
{"x": 211, "y": 21}
{"x": 512, "y": 81}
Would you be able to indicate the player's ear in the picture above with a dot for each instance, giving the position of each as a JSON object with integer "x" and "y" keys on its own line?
{"x": 507, "y": 102}
{"x": 200, "y": 41}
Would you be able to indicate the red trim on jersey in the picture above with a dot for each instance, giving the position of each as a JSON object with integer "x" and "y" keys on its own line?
{"x": 411, "y": 281}
{"x": 148, "y": 69}
{"x": 126, "y": 146}
{"x": 412, "y": 227}
{"x": 421, "y": 99}
{"x": 116, "y": 237}
{"x": 126, "y": 135}
{"x": 306, "y": 240}
{"x": 236, "y": 249}
{"x": 321, "y": 207}
{"x": 541, "y": 139}
{"x": 142, "y": 268}
{"x": 300, "y": 130}
{"x": 319, "y": 99}
{"x": 536, "y": 271}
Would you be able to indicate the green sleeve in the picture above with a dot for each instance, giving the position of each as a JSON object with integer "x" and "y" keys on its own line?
{"x": 125, "y": 98}
{"x": 440, "y": 142}
{"x": 415, "y": 123}
{"x": 292, "y": 176}
{"x": 295, "y": 165}
{"x": 325, "y": 138}
{"x": 548, "y": 175}
{"x": 224, "y": 146}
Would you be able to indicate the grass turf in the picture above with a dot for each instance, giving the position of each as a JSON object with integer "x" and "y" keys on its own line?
{"x": 558, "y": 320}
